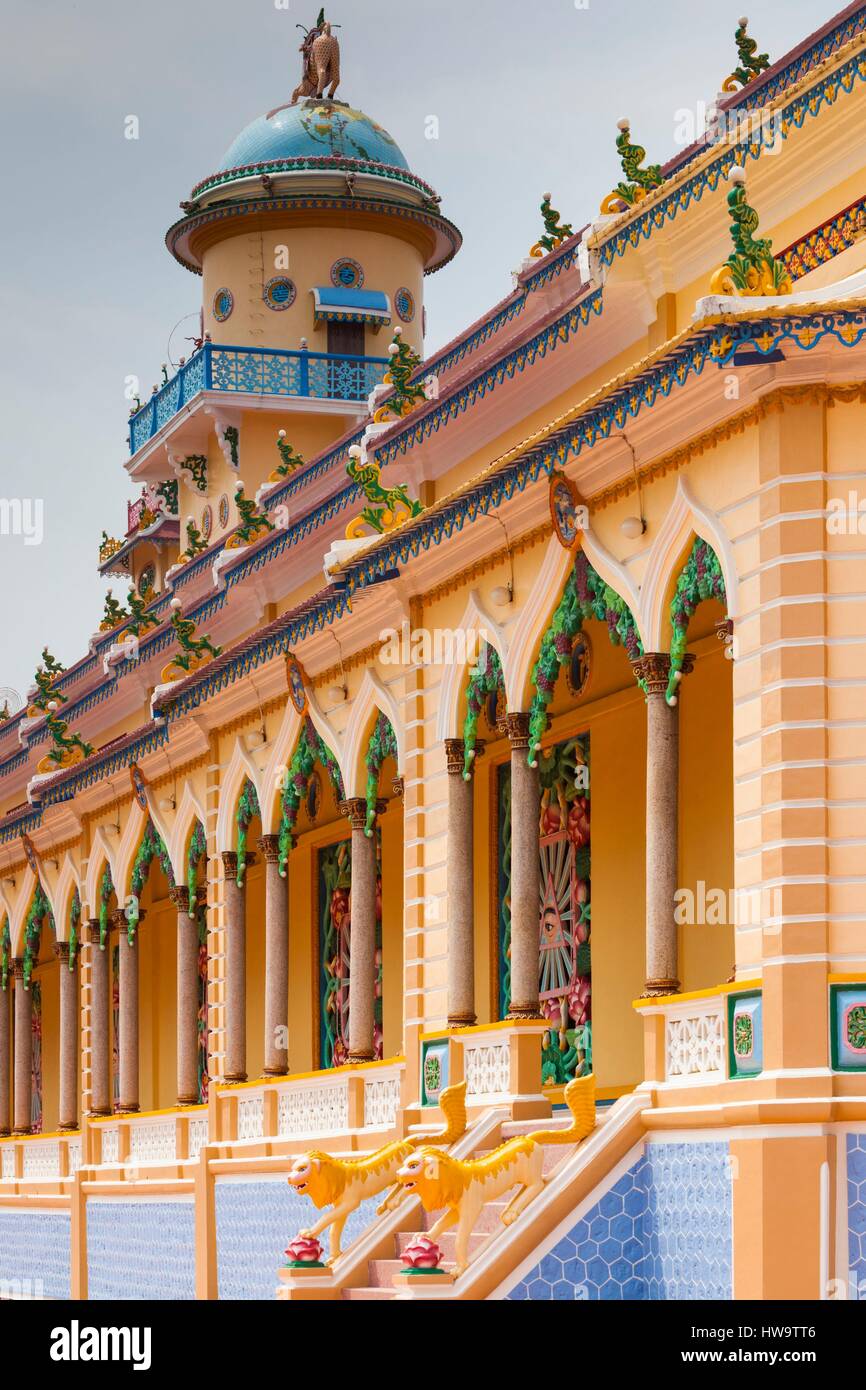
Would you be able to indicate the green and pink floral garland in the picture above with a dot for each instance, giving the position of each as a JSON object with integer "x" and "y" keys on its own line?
{"x": 106, "y": 888}
{"x": 248, "y": 809}
{"x": 152, "y": 847}
{"x": 485, "y": 679}
{"x": 701, "y": 578}
{"x": 195, "y": 854}
{"x": 5, "y": 953}
{"x": 310, "y": 750}
{"x": 40, "y": 911}
{"x": 382, "y": 745}
{"x": 74, "y": 923}
{"x": 585, "y": 596}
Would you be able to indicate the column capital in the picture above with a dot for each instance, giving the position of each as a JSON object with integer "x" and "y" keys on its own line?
{"x": 398, "y": 787}
{"x": 655, "y": 669}
{"x": 230, "y": 861}
{"x": 455, "y": 755}
{"x": 179, "y": 896}
{"x": 119, "y": 920}
{"x": 92, "y": 933}
{"x": 270, "y": 848}
{"x": 61, "y": 951}
{"x": 18, "y": 968}
{"x": 355, "y": 808}
{"x": 517, "y": 729}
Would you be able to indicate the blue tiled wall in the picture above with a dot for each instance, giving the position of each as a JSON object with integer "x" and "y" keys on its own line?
{"x": 255, "y": 1222}
{"x": 856, "y": 1152}
{"x": 662, "y": 1231}
{"x": 34, "y": 1253}
{"x": 140, "y": 1249}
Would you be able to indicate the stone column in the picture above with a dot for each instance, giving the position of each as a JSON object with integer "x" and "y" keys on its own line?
{"x": 5, "y": 1057}
{"x": 276, "y": 959}
{"x": 525, "y": 871}
{"x": 23, "y": 1051}
{"x": 662, "y": 857}
{"x": 362, "y": 967}
{"x": 68, "y": 987}
{"x": 128, "y": 1034}
{"x": 100, "y": 1013}
{"x": 461, "y": 887}
{"x": 236, "y": 968}
{"x": 187, "y": 998}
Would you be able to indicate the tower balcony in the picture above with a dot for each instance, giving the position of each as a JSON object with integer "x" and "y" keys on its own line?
{"x": 319, "y": 377}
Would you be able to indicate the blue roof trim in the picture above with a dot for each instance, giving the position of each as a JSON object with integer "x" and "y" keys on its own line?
{"x": 366, "y": 301}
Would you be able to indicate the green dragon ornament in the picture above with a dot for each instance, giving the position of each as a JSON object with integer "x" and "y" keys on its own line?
{"x": 751, "y": 62}
{"x": 391, "y": 505}
{"x": 253, "y": 523}
{"x": 67, "y": 749}
{"x": 139, "y": 621}
{"x": 555, "y": 232}
{"x": 407, "y": 394}
{"x": 290, "y": 461}
{"x": 113, "y": 615}
{"x": 751, "y": 269}
{"x": 195, "y": 543}
{"x": 642, "y": 181}
{"x": 44, "y": 680}
{"x": 194, "y": 651}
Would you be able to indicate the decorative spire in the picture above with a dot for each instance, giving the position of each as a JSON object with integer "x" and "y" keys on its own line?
{"x": 108, "y": 546}
{"x": 625, "y": 195}
{"x": 555, "y": 233}
{"x": 751, "y": 269}
{"x": 194, "y": 651}
{"x": 751, "y": 62}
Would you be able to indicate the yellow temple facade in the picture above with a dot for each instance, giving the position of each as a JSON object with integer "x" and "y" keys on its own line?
{"x": 485, "y": 722}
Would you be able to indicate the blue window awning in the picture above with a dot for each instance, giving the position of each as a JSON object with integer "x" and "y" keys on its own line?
{"x": 351, "y": 306}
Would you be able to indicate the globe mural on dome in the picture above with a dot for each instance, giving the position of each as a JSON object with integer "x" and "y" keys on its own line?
{"x": 322, "y": 129}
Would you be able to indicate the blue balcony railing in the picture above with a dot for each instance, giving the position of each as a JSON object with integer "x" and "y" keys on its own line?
{"x": 263, "y": 371}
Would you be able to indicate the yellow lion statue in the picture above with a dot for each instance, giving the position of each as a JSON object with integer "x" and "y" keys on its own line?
{"x": 344, "y": 1183}
{"x": 464, "y": 1186}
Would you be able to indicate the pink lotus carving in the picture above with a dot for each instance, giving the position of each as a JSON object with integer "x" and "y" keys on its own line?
{"x": 305, "y": 1250}
{"x": 422, "y": 1253}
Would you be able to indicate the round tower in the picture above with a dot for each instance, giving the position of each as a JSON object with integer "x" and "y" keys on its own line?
{"x": 314, "y": 231}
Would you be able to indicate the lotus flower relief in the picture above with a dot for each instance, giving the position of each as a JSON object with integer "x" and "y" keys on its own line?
{"x": 304, "y": 1251}
{"x": 422, "y": 1256}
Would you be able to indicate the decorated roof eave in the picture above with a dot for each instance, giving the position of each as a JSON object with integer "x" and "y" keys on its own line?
{"x": 712, "y": 161}
{"x": 711, "y": 341}
{"x": 318, "y": 164}
{"x": 163, "y": 531}
{"x": 445, "y": 237}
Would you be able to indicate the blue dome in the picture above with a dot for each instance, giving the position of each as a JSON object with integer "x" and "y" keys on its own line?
{"x": 323, "y": 129}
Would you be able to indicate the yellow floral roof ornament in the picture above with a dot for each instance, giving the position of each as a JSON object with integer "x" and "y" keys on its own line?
{"x": 751, "y": 268}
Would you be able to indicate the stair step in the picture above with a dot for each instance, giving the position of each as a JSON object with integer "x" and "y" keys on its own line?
{"x": 362, "y": 1295}
{"x": 381, "y": 1272}
{"x": 489, "y": 1219}
{"x": 445, "y": 1241}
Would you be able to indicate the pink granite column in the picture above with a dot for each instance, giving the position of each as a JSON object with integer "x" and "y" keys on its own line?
{"x": 128, "y": 1031}
{"x": 236, "y": 968}
{"x": 461, "y": 887}
{"x": 276, "y": 959}
{"x": 662, "y": 850}
{"x": 23, "y": 1051}
{"x": 68, "y": 1057}
{"x": 362, "y": 944}
{"x": 525, "y": 872}
{"x": 187, "y": 999}
{"x": 100, "y": 1012}
{"x": 5, "y": 1058}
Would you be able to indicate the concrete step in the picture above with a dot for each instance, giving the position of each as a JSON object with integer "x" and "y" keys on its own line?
{"x": 489, "y": 1219}
{"x": 366, "y": 1295}
{"x": 445, "y": 1241}
{"x": 381, "y": 1273}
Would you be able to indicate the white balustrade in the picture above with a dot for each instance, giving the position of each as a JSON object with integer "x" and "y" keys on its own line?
{"x": 251, "y": 1116}
{"x": 42, "y": 1159}
{"x": 110, "y": 1143}
{"x": 152, "y": 1140}
{"x": 197, "y": 1134}
{"x": 487, "y": 1065}
{"x": 695, "y": 1042}
{"x": 74, "y": 1152}
{"x": 7, "y": 1162}
{"x": 319, "y": 1107}
{"x": 382, "y": 1098}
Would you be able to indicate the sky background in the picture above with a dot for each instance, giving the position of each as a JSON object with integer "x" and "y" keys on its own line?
{"x": 527, "y": 96}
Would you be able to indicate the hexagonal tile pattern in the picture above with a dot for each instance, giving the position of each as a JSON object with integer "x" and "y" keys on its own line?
{"x": 662, "y": 1231}
{"x": 856, "y": 1154}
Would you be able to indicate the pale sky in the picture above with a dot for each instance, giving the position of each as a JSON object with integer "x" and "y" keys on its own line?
{"x": 527, "y": 97}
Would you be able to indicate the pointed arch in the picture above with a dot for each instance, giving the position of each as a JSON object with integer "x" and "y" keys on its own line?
{"x": 102, "y": 853}
{"x": 188, "y": 812}
{"x": 372, "y": 700}
{"x": 67, "y": 885}
{"x": 281, "y": 755}
{"x": 130, "y": 839}
{"x": 686, "y": 519}
{"x": 241, "y": 767}
{"x": 18, "y": 903}
{"x": 475, "y": 618}
{"x": 529, "y": 628}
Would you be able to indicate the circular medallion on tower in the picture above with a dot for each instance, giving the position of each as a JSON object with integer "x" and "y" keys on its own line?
{"x": 223, "y": 510}
{"x": 280, "y": 292}
{"x": 404, "y": 303}
{"x": 223, "y": 303}
{"x": 207, "y": 522}
{"x": 347, "y": 274}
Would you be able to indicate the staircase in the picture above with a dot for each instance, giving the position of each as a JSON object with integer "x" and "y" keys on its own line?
{"x": 489, "y": 1228}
